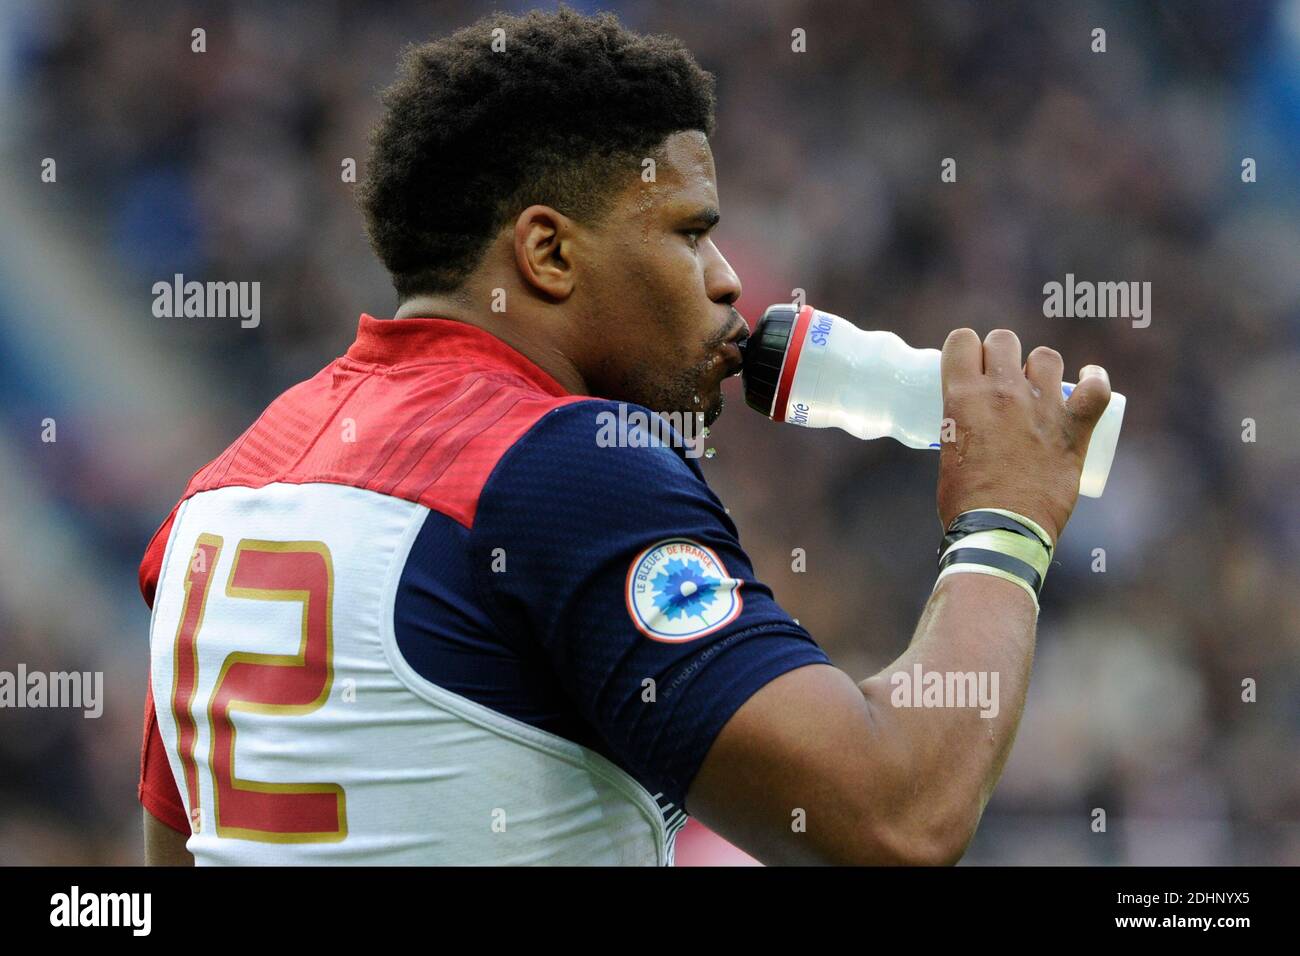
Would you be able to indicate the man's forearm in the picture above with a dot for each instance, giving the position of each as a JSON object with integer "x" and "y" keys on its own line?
{"x": 947, "y": 759}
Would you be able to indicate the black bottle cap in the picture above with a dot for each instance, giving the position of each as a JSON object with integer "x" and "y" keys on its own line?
{"x": 763, "y": 355}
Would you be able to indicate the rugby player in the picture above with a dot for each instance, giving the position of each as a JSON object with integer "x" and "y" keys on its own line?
{"x": 419, "y": 612}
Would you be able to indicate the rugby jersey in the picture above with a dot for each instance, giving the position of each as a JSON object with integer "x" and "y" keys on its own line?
{"x": 425, "y": 611}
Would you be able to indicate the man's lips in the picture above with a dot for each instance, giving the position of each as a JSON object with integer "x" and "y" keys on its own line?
{"x": 734, "y": 359}
{"x": 731, "y": 352}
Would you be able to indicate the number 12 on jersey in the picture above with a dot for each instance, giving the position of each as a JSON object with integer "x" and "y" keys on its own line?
{"x": 285, "y": 685}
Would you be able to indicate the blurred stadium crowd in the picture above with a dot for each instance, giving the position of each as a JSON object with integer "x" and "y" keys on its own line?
{"x": 1115, "y": 166}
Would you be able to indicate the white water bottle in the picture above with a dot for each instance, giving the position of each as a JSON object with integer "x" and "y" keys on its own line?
{"x": 811, "y": 368}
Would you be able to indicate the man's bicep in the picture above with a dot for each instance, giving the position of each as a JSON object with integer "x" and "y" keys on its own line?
{"x": 788, "y": 778}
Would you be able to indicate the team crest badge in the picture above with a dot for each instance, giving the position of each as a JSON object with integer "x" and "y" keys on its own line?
{"x": 678, "y": 590}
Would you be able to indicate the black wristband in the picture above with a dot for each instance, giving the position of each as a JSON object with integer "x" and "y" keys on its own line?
{"x": 982, "y": 520}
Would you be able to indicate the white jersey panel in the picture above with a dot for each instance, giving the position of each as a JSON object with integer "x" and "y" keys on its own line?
{"x": 399, "y": 770}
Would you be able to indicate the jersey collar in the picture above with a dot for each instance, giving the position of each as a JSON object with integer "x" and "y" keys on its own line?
{"x": 422, "y": 341}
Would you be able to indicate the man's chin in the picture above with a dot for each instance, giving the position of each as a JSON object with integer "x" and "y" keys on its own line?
{"x": 713, "y": 409}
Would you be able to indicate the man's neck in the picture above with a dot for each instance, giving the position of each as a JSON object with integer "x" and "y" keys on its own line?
{"x": 545, "y": 355}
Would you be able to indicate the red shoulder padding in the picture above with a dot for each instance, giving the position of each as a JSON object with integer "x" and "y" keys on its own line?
{"x": 420, "y": 409}
{"x": 427, "y": 433}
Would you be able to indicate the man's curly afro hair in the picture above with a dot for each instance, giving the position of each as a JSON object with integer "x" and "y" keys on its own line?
{"x": 472, "y": 136}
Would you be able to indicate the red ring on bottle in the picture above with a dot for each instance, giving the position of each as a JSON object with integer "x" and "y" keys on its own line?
{"x": 791, "y": 362}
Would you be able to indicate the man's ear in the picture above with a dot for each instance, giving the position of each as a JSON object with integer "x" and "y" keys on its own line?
{"x": 544, "y": 245}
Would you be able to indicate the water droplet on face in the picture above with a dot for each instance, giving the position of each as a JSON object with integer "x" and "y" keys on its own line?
{"x": 688, "y": 588}
{"x": 710, "y": 452}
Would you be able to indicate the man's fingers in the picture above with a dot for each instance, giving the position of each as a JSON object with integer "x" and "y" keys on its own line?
{"x": 1001, "y": 353}
{"x": 1045, "y": 369}
{"x": 1091, "y": 396}
{"x": 962, "y": 358}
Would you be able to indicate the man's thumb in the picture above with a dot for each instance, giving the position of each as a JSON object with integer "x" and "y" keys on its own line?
{"x": 1091, "y": 396}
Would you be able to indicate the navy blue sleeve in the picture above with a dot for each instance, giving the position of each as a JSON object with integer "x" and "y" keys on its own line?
{"x": 622, "y": 564}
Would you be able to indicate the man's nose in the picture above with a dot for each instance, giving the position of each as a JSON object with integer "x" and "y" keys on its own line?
{"x": 722, "y": 282}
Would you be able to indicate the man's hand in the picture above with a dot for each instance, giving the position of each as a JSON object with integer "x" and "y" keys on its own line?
{"x": 1019, "y": 445}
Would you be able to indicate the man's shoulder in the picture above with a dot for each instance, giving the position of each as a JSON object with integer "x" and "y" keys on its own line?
{"x": 592, "y": 443}
{"x": 598, "y": 475}
{"x": 428, "y": 433}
